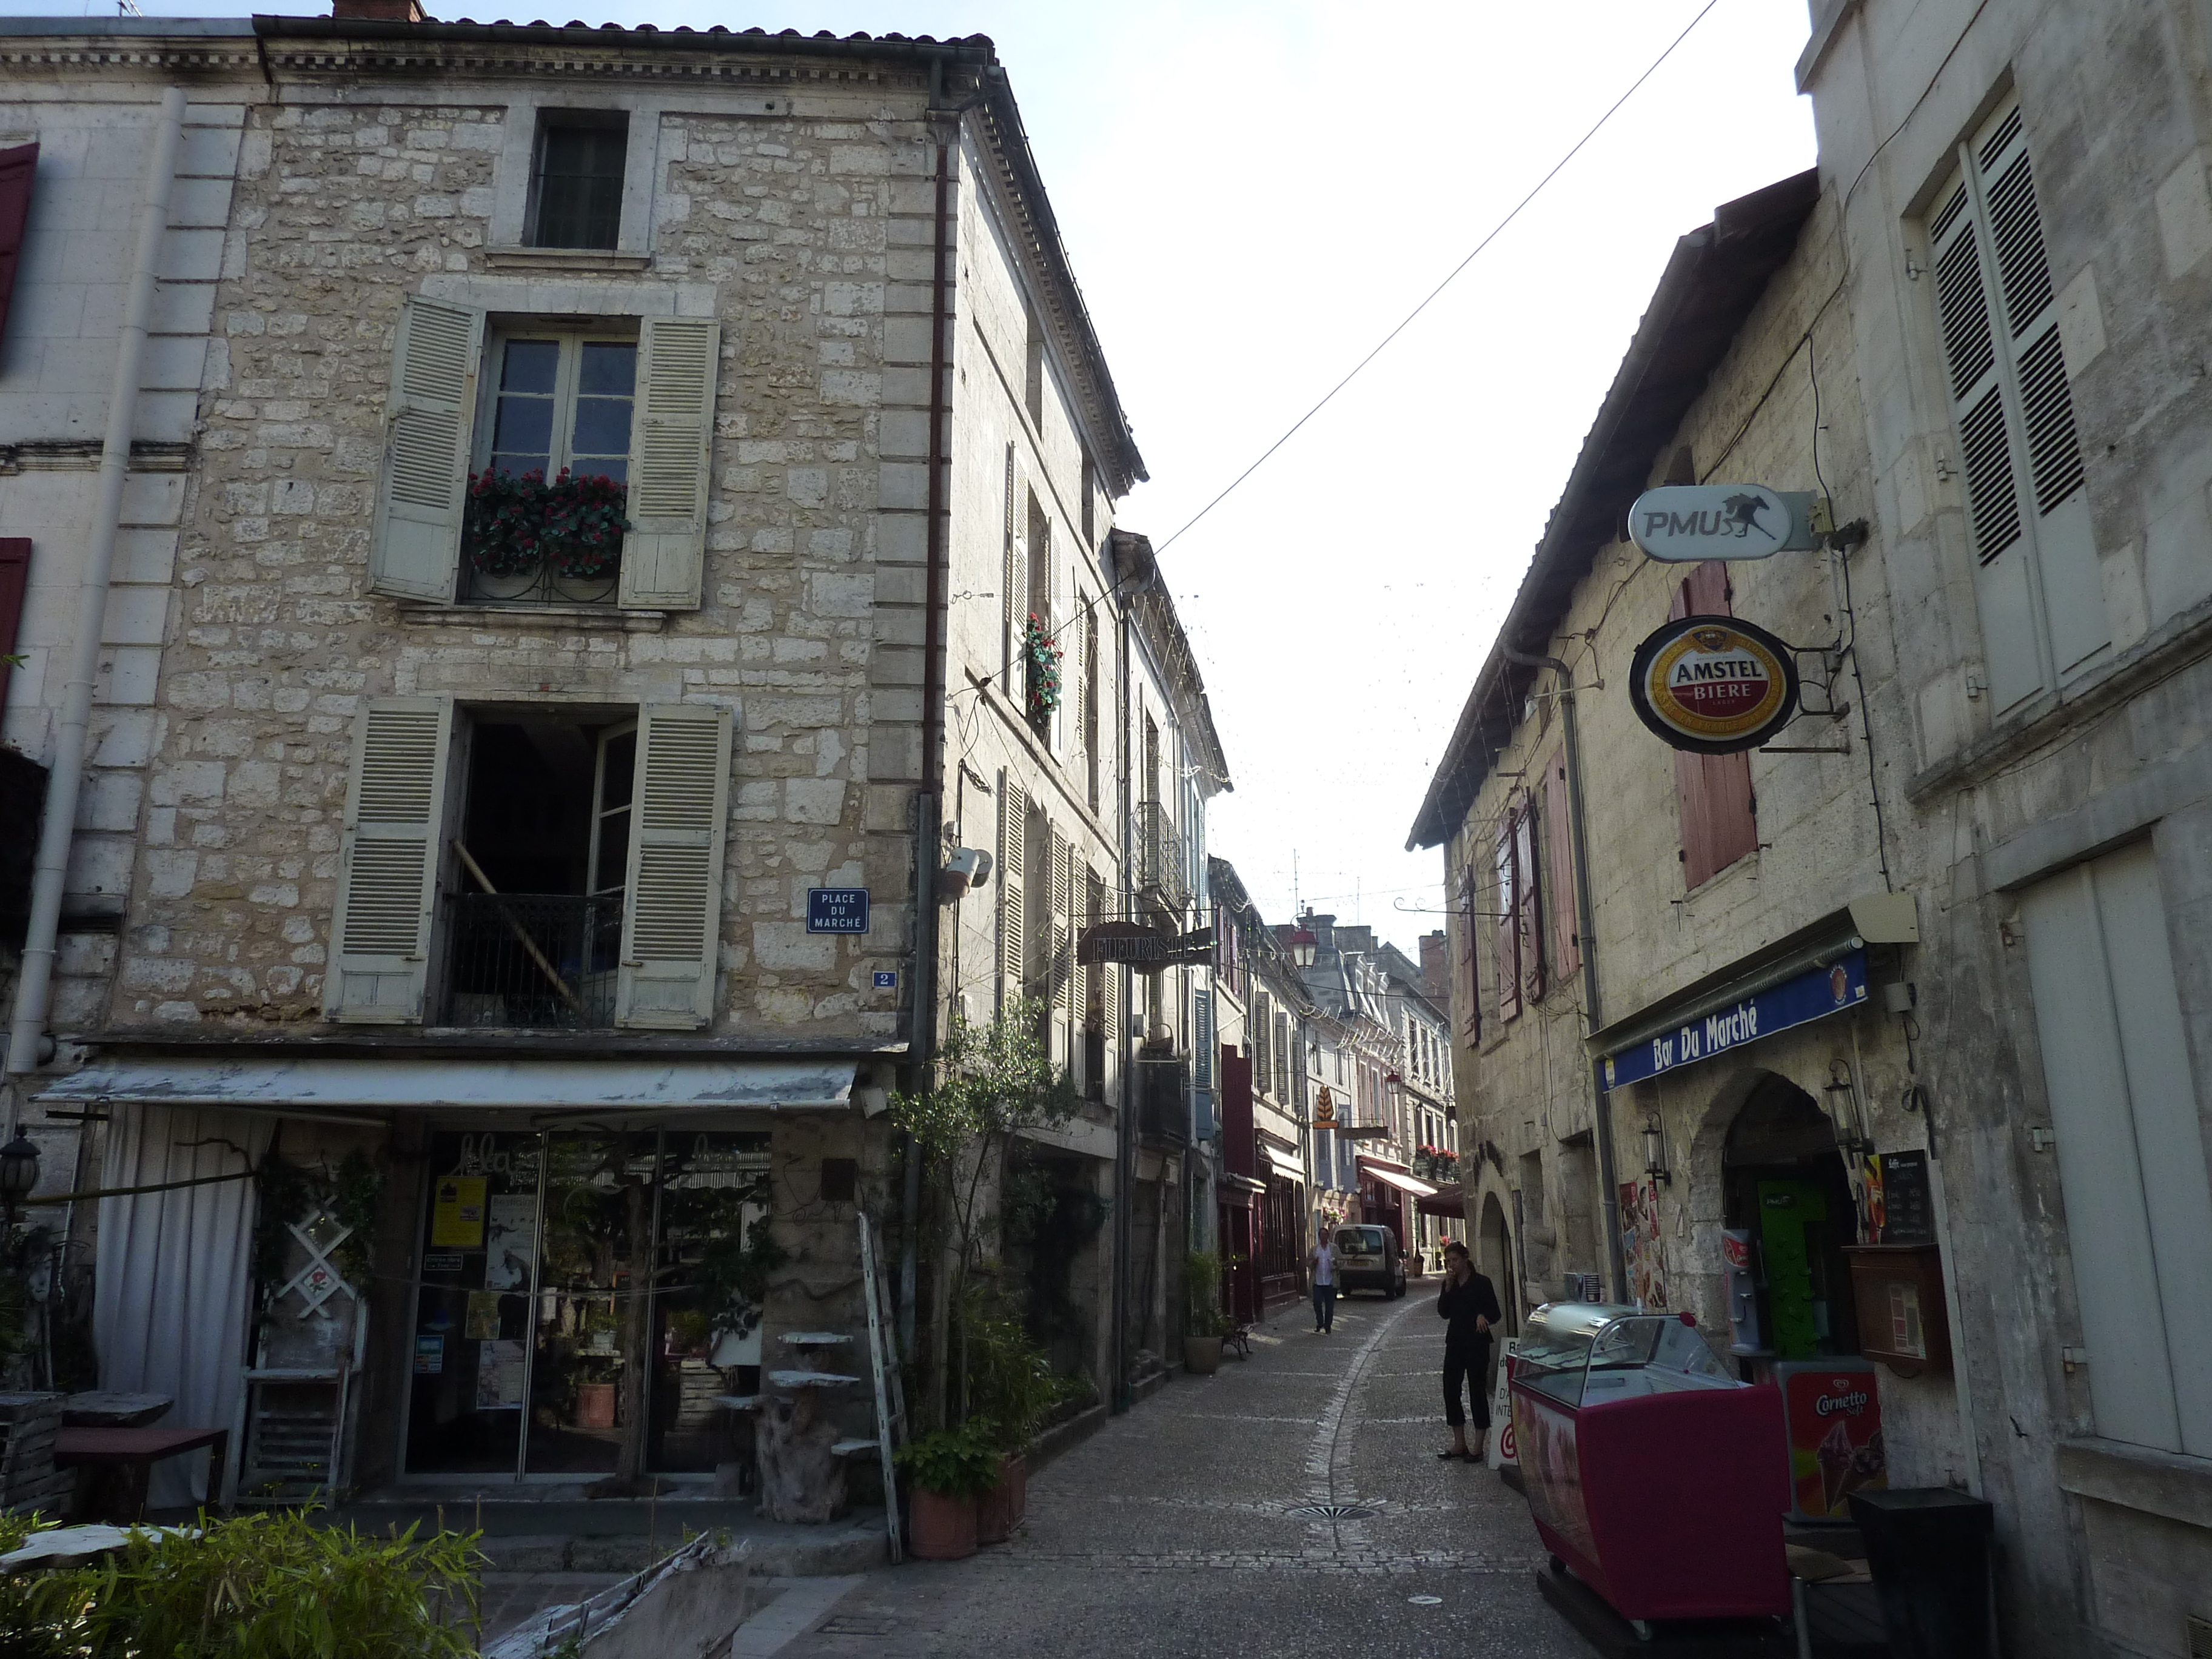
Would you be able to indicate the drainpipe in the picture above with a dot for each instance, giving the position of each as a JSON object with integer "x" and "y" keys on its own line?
{"x": 34, "y": 984}
{"x": 1608, "y": 1196}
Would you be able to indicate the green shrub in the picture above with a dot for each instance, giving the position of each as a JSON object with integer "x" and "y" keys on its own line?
{"x": 266, "y": 1586}
{"x": 953, "y": 1462}
{"x": 1201, "y": 1279}
{"x": 1010, "y": 1384}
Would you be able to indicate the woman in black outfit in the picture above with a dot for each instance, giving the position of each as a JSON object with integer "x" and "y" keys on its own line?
{"x": 1470, "y": 1302}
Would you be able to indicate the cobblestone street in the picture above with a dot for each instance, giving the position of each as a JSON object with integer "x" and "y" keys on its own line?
{"x": 1176, "y": 1530}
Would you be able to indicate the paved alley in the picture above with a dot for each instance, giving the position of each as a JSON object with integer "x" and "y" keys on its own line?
{"x": 1182, "y": 1527}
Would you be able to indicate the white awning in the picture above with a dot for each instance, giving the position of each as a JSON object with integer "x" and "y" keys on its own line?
{"x": 1286, "y": 1164}
{"x": 1404, "y": 1183}
{"x": 397, "y": 1084}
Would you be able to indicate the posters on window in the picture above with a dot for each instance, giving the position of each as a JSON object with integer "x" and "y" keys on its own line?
{"x": 499, "y": 1375}
{"x": 482, "y": 1322}
{"x": 1639, "y": 1244}
{"x": 510, "y": 1242}
{"x": 457, "y": 1213}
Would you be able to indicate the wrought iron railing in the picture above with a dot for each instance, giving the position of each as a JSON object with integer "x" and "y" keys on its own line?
{"x": 1161, "y": 875}
{"x": 535, "y": 960}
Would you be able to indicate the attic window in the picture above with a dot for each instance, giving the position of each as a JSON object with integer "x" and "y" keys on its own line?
{"x": 576, "y": 179}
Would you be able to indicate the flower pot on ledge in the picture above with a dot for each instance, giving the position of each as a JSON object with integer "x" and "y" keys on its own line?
{"x": 1000, "y": 1509}
{"x": 939, "y": 1528}
{"x": 1201, "y": 1355}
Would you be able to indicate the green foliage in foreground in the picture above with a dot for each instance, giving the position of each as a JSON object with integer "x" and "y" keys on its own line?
{"x": 265, "y": 1586}
{"x": 953, "y": 1462}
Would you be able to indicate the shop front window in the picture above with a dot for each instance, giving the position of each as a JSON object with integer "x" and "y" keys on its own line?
{"x": 583, "y": 1301}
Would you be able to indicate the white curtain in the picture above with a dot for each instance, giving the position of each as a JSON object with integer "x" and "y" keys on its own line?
{"x": 171, "y": 1294}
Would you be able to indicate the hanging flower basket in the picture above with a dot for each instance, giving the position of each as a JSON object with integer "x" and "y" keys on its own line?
{"x": 1042, "y": 655}
{"x": 519, "y": 522}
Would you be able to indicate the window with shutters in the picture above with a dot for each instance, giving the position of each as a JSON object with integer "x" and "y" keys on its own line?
{"x": 2037, "y": 584}
{"x": 1520, "y": 938}
{"x": 576, "y": 179}
{"x": 523, "y": 870}
{"x": 1719, "y": 814}
{"x": 18, "y": 168}
{"x": 1470, "y": 936}
{"x": 532, "y": 463}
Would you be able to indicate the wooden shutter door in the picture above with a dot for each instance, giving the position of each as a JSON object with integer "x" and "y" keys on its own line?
{"x": 1061, "y": 945}
{"x": 415, "y": 549}
{"x": 1566, "y": 943}
{"x": 1014, "y": 585}
{"x": 1013, "y": 831}
{"x": 1507, "y": 924}
{"x": 388, "y": 861}
{"x": 1470, "y": 951}
{"x": 1719, "y": 821}
{"x": 664, "y": 552}
{"x": 679, "y": 821}
{"x": 1529, "y": 901}
{"x": 15, "y": 584}
{"x": 18, "y": 166}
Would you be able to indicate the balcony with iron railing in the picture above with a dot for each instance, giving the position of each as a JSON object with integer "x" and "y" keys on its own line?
{"x": 536, "y": 962}
{"x": 1161, "y": 875}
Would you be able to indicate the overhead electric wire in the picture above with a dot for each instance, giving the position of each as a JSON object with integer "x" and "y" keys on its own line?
{"x": 1496, "y": 231}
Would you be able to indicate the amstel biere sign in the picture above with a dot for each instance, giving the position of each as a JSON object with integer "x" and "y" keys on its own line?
{"x": 1713, "y": 686}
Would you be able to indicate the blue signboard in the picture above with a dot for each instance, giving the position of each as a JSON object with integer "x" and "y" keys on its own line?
{"x": 886, "y": 979}
{"x": 1810, "y": 996}
{"x": 837, "y": 909}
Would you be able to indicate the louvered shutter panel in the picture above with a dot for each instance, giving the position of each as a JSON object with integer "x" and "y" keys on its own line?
{"x": 1470, "y": 949}
{"x": 672, "y": 444}
{"x": 672, "y": 921}
{"x": 1062, "y": 945}
{"x": 1528, "y": 898}
{"x": 1257, "y": 1029}
{"x": 18, "y": 168}
{"x": 14, "y": 584}
{"x": 1013, "y": 831}
{"x": 415, "y": 548}
{"x": 2019, "y": 454}
{"x": 1566, "y": 947}
{"x": 388, "y": 861}
{"x": 1720, "y": 821}
{"x": 1506, "y": 922}
{"x": 1201, "y": 1039}
{"x": 1014, "y": 581}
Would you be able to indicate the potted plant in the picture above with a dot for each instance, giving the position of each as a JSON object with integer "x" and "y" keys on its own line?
{"x": 1010, "y": 1391}
{"x": 1201, "y": 1343}
{"x": 946, "y": 1473}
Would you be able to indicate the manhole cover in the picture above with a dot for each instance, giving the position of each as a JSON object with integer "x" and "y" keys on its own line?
{"x": 1332, "y": 1512}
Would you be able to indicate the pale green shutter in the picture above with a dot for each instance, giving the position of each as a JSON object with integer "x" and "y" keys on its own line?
{"x": 1013, "y": 828}
{"x": 415, "y": 546}
{"x": 679, "y": 824}
{"x": 664, "y": 553}
{"x": 388, "y": 861}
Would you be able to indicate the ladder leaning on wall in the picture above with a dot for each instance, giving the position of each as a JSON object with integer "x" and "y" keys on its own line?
{"x": 891, "y": 1389}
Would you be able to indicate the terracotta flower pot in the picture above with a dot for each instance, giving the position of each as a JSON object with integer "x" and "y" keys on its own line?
{"x": 595, "y": 1406}
{"x": 1201, "y": 1355}
{"x": 1000, "y": 1509}
{"x": 940, "y": 1528}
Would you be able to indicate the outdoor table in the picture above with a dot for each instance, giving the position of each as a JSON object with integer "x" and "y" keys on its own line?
{"x": 132, "y": 1453}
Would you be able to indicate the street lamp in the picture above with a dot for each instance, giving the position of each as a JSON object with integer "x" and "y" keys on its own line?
{"x": 1302, "y": 945}
{"x": 1654, "y": 1150}
{"x": 18, "y": 1172}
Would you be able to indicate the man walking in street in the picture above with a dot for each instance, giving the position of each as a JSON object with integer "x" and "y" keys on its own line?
{"x": 1470, "y": 1302}
{"x": 1321, "y": 1260}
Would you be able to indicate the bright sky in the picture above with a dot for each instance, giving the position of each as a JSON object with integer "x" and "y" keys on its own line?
{"x": 1252, "y": 193}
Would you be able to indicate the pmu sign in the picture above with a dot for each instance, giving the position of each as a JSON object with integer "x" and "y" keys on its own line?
{"x": 1688, "y": 523}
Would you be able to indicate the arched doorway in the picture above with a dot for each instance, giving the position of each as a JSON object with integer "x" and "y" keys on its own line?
{"x": 1493, "y": 1258}
{"x": 1784, "y": 1185}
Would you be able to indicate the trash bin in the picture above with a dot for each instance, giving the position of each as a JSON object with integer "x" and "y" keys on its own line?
{"x": 1928, "y": 1549}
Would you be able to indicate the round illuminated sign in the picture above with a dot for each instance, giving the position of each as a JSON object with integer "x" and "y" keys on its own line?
{"x": 1714, "y": 685}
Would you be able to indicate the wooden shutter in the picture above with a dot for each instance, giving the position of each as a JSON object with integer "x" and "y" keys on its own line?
{"x": 2020, "y": 454}
{"x": 415, "y": 548}
{"x": 1720, "y": 821}
{"x": 1061, "y": 946}
{"x": 1470, "y": 949}
{"x": 15, "y": 584}
{"x": 1559, "y": 871}
{"x": 1507, "y": 919}
{"x": 1013, "y": 831}
{"x": 1014, "y": 583}
{"x": 1528, "y": 901}
{"x": 18, "y": 166}
{"x": 679, "y": 821}
{"x": 671, "y": 442}
{"x": 1201, "y": 1039}
{"x": 388, "y": 861}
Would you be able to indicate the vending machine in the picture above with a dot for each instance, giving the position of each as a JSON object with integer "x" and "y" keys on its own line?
{"x": 1745, "y": 1335}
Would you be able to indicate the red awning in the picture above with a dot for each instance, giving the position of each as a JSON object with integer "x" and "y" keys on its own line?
{"x": 1450, "y": 1201}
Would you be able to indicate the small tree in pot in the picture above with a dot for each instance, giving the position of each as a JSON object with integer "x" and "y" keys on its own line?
{"x": 946, "y": 1473}
{"x": 1010, "y": 1391}
{"x": 1201, "y": 1344}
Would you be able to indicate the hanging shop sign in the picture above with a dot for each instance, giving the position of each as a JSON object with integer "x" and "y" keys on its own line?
{"x": 1713, "y": 686}
{"x": 1810, "y": 996}
{"x": 1688, "y": 523}
{"x": 1142, "y": 945}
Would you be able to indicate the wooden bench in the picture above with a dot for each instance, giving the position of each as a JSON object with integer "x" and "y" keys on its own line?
{"x": 131, "y": 1454}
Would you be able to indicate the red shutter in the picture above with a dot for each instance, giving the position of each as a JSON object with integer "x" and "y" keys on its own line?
{"x": 1471, "y": 950}
{"x": 14, "y": 582}
{"x": 1507, "y": 922}
{"x": 1566, "y": 944}
{"x": 1719, "y": 823}
{"x": 16, "y": 167}
{"x": 1529, "y": 907}
{"x": 1240, "y": 1153}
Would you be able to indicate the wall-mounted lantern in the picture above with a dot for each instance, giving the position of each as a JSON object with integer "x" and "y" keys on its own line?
{"x": 1654, "y": 1150}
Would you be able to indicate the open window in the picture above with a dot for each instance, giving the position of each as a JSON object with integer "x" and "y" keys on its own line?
{"x": 546, "y": 459}
{"x": 576, "y": 179}
{"x": 526, "y": 868}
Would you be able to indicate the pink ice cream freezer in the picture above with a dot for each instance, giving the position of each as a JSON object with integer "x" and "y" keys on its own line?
{"x": 1656, "y": 1478}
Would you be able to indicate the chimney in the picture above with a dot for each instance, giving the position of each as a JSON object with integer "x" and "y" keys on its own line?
{"x": 1436, "y": 977}
{"x": 1323, "y": 927}
{"x": 379, "y": 11}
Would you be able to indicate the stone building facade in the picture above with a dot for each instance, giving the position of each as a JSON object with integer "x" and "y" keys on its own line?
{"x": 528, "y": 860}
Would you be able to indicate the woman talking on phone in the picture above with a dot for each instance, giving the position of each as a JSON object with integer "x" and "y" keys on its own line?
{"x": 1470, "y": 1302}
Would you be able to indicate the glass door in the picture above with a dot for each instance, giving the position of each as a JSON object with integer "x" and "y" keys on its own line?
{"x": 713, "y": 1262}
{"x": 593, "y": 1290}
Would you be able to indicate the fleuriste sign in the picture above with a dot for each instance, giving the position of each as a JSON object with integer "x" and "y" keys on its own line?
{"x": 1713, "y": 686}
{"x": 1688, "y": 524}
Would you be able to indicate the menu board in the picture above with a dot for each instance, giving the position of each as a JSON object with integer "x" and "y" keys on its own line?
{"x": 1898, "y": 1210}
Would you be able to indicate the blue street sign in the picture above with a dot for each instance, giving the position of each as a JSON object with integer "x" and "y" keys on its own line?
{"x": 886, "y": 979}
{"x": 1810, "y": 996}
{"x": 837, "y": 909}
